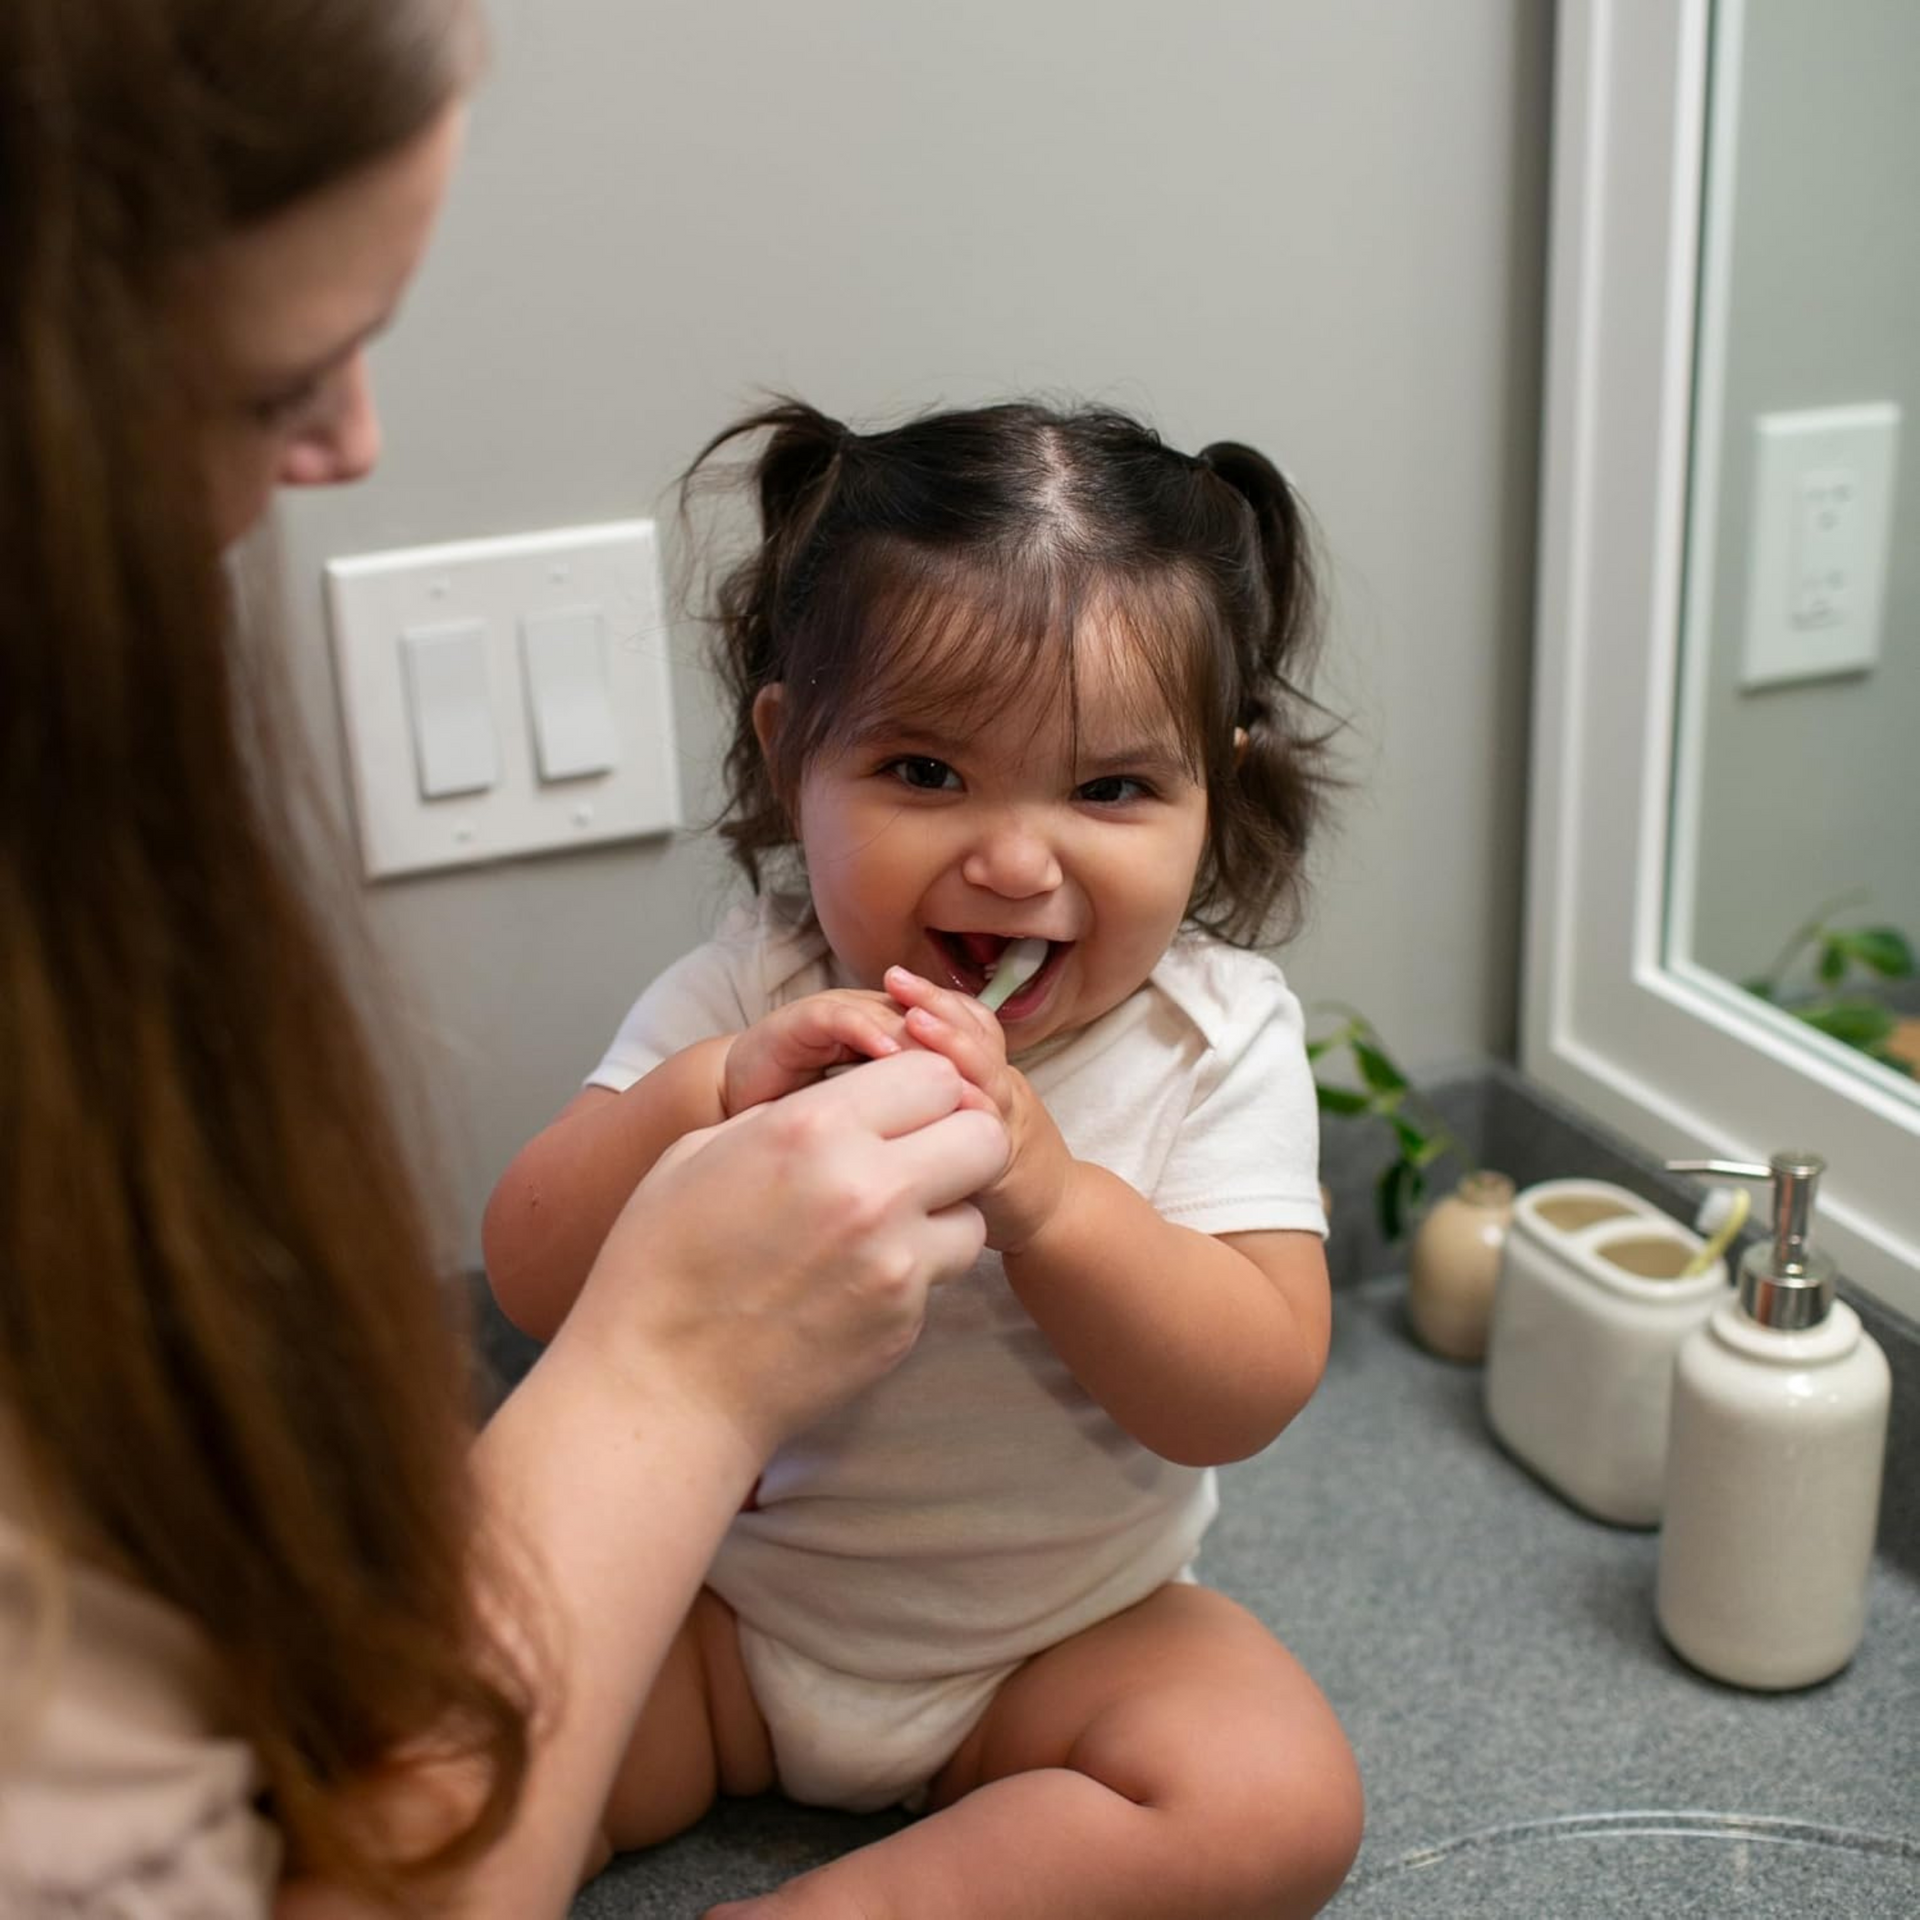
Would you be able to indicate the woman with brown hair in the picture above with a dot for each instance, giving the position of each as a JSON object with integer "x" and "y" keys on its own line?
{"x": 276, "y": 1629}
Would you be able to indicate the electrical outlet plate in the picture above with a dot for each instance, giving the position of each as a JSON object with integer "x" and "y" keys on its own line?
{"x": 535, "y": 666}
{"x": 1817, "y": 558}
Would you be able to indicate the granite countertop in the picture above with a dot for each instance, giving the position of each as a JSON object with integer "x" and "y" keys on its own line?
{"x": 1529, "y": 1745}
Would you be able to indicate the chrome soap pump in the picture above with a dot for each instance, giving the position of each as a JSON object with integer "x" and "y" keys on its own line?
{"x": 1774, "y": 1459}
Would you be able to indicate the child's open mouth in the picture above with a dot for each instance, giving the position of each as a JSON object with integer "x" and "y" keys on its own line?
{"x": 971, "y": 958}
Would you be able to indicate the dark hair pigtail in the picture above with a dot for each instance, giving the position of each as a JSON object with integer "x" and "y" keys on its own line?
{"x": 793, "y": 482}
{"x": 1280, "y": 777}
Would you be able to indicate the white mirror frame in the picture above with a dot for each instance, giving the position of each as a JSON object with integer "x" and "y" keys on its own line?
{"x": 1675, "y": 1059}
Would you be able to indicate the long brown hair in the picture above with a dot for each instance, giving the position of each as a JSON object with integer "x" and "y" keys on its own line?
{"x": 219, "y": 1334}
{"x": 957, "y": 555}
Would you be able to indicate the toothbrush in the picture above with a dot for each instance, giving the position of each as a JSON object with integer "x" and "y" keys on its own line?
{"x": 1021, "y": 961}
{"x": 1722, "y": 1214}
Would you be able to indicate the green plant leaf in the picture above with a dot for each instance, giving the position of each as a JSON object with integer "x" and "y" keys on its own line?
{"x": 1833, "y": 960}
{"x": 1860, "y": 1023}
{"x": 1343, "y": 1035}
{"x": 1394, "y": 1194}
{"x": 1759, "y": 986}
{"x": 1883, "y": 950}
{"x": 1413, "y": 1142}
{"x": 1377, "y": 1070}
{"x": 1342, "y": 1100}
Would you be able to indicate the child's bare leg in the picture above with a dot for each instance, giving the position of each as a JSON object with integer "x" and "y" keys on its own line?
{"x": 698, "y": 1734}
{"x": 1173, "y": 1760}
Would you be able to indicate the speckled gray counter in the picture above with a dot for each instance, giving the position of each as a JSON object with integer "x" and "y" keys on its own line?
{"x": 1529, "y": 1746}
{"x": 1493, "y": 1657}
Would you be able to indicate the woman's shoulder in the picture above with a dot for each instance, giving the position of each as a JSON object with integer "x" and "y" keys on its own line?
{"x": 121, "y": 1790}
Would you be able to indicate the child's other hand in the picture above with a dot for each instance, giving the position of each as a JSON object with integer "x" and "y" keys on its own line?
{"x": 793, "y": 1046}
{"x": 1021, "y": 1202}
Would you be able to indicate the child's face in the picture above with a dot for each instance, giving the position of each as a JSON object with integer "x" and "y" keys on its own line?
{"x": 933, "y": 848}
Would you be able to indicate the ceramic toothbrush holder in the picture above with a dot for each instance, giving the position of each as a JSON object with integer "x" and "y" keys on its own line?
{"x": 1590, "y": 1308}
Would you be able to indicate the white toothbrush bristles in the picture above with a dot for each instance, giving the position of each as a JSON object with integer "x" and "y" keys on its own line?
{"x": 1021, "y": 961}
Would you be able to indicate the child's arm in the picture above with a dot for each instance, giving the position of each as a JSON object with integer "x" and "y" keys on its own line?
{"x": 1201, "y": 1347}
{"x": 558, "y": 1199}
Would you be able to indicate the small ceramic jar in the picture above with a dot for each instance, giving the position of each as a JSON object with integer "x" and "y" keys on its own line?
{"x": 1453, "y": 1264}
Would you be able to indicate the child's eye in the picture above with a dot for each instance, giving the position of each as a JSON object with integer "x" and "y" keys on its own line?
{"x": 927, "y": 775}
{"x": 1113, "y": 789}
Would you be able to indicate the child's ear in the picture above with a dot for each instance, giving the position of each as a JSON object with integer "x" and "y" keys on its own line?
{"x": 768, "y": 705}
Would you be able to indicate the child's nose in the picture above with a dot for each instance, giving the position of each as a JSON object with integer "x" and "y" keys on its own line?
{"x": 1012, "y": 859}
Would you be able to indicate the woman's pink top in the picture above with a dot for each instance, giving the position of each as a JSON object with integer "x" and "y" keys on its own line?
{"x": 121, "y": 1795}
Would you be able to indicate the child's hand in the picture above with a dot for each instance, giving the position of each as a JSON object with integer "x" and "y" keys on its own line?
{"x": 1021, "y": 1202}
{"x": 793, "y": 1046}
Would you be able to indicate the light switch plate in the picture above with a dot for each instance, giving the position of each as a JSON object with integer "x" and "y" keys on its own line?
{"x": 455, "y": 747}
{"x": 609, "y": 771}
{"x": 1822, "y": 513}
{"x": 569, "y": 694}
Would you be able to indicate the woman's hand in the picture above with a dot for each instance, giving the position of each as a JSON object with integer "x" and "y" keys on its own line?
{"x": 1020, "y": 1202}
{"x": 774, "y": 1265}
{"x": 793, "y": 1046}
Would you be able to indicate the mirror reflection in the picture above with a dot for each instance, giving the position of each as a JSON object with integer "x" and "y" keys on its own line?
{"x": 1795, "y": 861}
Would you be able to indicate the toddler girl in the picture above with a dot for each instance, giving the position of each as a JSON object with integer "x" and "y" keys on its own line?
{"x": 1007, "y": 675}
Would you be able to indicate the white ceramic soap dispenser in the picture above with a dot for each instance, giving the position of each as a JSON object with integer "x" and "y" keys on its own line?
{"x": 1779, "y": 1427}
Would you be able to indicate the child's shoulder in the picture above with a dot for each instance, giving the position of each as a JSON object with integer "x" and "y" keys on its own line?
{"x": 1227, "y": 992}
{"x": 773, "y": 948}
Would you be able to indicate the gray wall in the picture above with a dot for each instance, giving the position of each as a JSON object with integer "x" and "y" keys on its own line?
{"x": 1318, "y": 228}
{"x": 1809, "y": 789}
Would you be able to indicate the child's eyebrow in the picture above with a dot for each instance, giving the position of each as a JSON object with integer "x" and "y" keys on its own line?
{"x": 1140, "y": 756}
{"x": 894, "y": 730}
{"x": 1156, "y": 757}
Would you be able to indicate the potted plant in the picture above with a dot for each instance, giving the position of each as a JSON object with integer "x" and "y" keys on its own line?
{"x": 1851, "y": 969}
{"x": 1454, "y": 1258}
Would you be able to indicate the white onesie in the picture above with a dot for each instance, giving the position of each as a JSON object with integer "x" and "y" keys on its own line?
{"x": 977, "y": 1505}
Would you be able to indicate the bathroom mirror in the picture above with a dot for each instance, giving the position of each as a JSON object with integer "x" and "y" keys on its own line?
{"x": 1687, "y": 812}
{"x": 1799, "y": 674}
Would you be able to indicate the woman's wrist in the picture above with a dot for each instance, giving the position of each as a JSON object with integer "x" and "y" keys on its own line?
{"x": 677, "y": 1379}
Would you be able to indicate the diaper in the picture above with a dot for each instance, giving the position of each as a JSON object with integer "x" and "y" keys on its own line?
{"x": 843, "y": 1741}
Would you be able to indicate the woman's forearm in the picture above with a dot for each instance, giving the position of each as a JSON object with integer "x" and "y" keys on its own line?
{"x": 606, "y": 1493}
{"x": 617, "y": 1488}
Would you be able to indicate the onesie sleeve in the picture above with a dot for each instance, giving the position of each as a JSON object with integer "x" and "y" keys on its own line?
{"x": 1247, "y": 1156}
{"x": 764, "y": 954}
{"x": 699, "y": 996}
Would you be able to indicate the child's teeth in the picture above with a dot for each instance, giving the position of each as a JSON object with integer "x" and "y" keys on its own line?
{"x": 1021, "y": 961}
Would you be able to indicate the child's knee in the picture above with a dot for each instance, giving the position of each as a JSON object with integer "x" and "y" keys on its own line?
{"x": 1305, "y": 1813}
{"x": 1339, "y": 1818}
